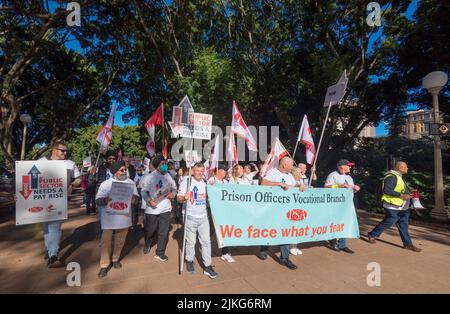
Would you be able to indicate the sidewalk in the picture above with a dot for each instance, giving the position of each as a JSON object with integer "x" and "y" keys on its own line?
{"x": 23, "y": 269}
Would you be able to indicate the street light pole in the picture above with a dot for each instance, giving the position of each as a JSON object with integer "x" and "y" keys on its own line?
{"x": 434, "y": 82}
{"x": 24, "y": 138}
{"x": 439, "y": 211}
{"x": 25, "y": 118}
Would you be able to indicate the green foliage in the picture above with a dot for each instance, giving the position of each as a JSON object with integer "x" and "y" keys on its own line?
{"x": 129, "y": 139}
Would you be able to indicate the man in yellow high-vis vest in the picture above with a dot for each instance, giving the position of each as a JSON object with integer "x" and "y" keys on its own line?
{"x": 396, "y": 200}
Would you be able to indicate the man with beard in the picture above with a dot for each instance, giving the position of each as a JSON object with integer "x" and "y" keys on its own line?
{"x": 113, "y": 223}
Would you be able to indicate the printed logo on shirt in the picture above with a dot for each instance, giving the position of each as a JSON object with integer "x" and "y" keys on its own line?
{"x": 159, "y": 185}
{"x": 197, "y": 198}
{"x": 283, "y": 181}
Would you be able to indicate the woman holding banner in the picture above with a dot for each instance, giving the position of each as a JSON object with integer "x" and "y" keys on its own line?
{"x": 115, "y": 215}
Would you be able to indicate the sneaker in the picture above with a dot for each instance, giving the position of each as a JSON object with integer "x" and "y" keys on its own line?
{"x": 103, "y": 272}
{"x": 52, "y": 261}
{"x": 334, "y": 247}
{"x": 299, "y": 252}
{"x": 83, "y": 205}
{"x": 262, "y": 255}
{"x": 162, "y": 258}
{"x": 347, "y": 250}
{"x": 146, "y": 249}
{"x": 227, "y": 258}
{"x": 371, "y": 239}
{"x": 293, "y": 251}
{"x": 190, "y": 267}
{"x": 288, "y": 264}
{"x": 412, "y": 248}
{"x": 117, "y": 265}
{"x": 209, "y": 271}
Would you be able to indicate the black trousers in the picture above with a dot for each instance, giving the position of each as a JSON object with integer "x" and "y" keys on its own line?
{"x": 90, "y": 201}
{"x": 161, "y": 223}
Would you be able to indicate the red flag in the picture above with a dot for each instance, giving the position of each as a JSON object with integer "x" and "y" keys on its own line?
{"x": 157, "y": 118}
{"x": 105, "y": 134}
{"x": 305, "y": 137}
{"x": 239, "y": 128}
{"x": 164, "y": 152}
{"x": 277, "y": 152}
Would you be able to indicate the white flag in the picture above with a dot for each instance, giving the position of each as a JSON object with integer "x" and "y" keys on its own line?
{"x": 239, "y": 128}
{"x": 213, "y": 162}
{"x": 105, "y": 134}
{"x": 277, "y": 152}
{"x": 305, "y": 137}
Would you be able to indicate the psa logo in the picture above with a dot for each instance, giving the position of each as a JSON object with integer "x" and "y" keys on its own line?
{"x": 296, "y": 214}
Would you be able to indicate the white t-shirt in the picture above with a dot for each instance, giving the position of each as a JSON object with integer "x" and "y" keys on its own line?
{"x": 72, "y": 170}
{"x": 337, "y": 178}
{"x": 158, "y": 185}
{"x": 242, "y": 180}
{"x": 110, "y": 221}
{"x": 251, "y": 175}
{"x": 276, "y": 175}
{"x": 213, "y": 180}
{"x": 196, "y": 205}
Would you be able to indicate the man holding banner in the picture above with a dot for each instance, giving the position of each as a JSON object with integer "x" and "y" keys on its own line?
{"x": 282, "y": 177}
{"x": 341, "y": 179}
{"x": 52, "y": 229}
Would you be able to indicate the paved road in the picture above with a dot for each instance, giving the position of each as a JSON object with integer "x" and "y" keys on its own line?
{"x": 22, "y": 268}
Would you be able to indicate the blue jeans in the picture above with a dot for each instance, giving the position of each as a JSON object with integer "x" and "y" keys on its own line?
{"x": 341, "y": 243}
{"x": 52, "y": 236}
{"x": 398, "y": 217}
{"x": 284, "y": 249}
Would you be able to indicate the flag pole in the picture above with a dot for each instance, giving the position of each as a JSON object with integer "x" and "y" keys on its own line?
{"x": 295, "y": 149}
{"x": 188, "y": 188}
{"x": 162, "y": 124}
{"x": 320, "y": 142}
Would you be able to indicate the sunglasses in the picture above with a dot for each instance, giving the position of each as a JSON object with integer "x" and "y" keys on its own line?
{"x": 65, "y": 151}
{"x": 122, "y": 170}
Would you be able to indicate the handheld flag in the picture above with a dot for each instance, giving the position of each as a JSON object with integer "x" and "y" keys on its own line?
{"x": 104, "y": 136}
{"x": 239, "y": 128}
{"x": 305, "y": 137}
{"x": 277, "y": 152}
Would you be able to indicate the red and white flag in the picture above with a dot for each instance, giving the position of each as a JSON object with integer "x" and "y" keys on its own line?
{"x": 164, "y": 151}
{"x": 232, "y": 151}
{"x": 305, "y": 137}
{"x": 239, "y": 128}
{"x": 277, "y": 152}
{"x": 213, "y": 162}
{"x": 105, "y": 134}
{"x": 157, "y": 118}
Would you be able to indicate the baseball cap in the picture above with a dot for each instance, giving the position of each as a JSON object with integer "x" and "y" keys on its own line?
{"x": 345, "y": 162}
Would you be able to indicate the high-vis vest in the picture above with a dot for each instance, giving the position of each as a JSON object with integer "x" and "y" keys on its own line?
{"x": 400, "y": 187}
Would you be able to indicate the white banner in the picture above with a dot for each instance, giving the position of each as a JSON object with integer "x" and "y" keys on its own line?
{"x": 121, "y": 194}
{"x": 41, "y": 191}
{"x": 191, "y": 157}
{"x": 87, "y": 162}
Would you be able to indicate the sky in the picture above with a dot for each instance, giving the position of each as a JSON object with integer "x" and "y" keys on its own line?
{"x": 381, "y": 130}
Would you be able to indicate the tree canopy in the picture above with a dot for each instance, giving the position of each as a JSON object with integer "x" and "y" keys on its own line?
{"x": 275, "y": 58}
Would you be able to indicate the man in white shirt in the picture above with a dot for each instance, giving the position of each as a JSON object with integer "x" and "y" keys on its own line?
{"x": 192, "y": 192}
{"x": 52, "y": 229}
{"x": 219, "y": 177}
{"x": 158, "y": 190}
{"x": 341, "y": 179}
{"x": 111, "y": 223}
{"x": 283, "y": 178}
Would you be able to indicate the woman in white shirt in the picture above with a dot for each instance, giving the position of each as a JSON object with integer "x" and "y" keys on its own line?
{"x": 237, "y": 176}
